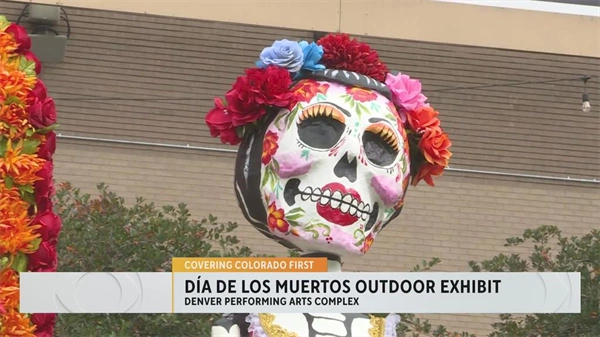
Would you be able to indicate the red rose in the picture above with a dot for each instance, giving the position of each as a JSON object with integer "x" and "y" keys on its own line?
{"x": 47, "y": 147}
{"x": 44, "y": 259}
{"x": 251, "y": 94}
{"x": 44, "y": 324}
{"x": 39, "y": 91}
{"x": 50, "y": 226}
{"x": 274, "y": 85}
{"x": 42, "y": 113}
{"x": 31, "y": 57}
{"x": 241, "y": 103}
{"x": 44, "y": 188}
{"x": 219, "y": 122}
{"x": 20, "y": 35}
{"x": 342, "y": 52}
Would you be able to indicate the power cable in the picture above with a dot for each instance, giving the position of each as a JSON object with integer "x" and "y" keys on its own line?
{"x": 140, "y": 99}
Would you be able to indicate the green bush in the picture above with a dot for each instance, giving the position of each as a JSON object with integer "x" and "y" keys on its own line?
{"x": 105, "y": 234}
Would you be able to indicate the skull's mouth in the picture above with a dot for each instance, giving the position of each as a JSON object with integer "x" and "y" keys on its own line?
{"x": 334, "y": 202}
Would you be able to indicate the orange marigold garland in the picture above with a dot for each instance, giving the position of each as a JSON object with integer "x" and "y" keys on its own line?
{"x": 28, "y": 226}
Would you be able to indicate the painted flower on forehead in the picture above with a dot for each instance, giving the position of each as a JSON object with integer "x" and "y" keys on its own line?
{"x": 284, "y": 54}
{"x": 406, "y": 92}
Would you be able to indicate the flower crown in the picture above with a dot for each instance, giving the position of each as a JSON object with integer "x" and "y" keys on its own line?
{"x": 268, "y": 86}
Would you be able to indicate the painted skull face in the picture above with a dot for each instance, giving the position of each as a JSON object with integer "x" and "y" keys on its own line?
{"x": 329, "y": 174}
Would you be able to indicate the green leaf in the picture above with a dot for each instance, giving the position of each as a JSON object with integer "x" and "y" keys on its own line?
{"x": 315, "y": 234}
{"x": 293, "y": 223}
{"x": 36, "y": 243}
{"x": 296, "y": 210}
{"x": 305, "y": 153}
{"x": 275, "y": 164}
{"x": 3, "y": 262}
{"x": 291, "y": 116}
{"x": 29, "y": 197}
{"x": 30, "y": 146}
{"x": 9, "y": 182}
{"x": 26, "y": 189}
{"x": 278, "y": 120}
{"x": 47, "y": 129}
{"x": 27, "y": 66}
{"x": 293, "y": 217}
{"x": 3, "y": 145}
{"x": 375, "y": 107}
{"x": 12, "y": 99}
{"x": 20, "y": 263}
{"x": 29, "y": 132}
{"x": 327, "y": 229}
{"x": 3, "y": 22}
{"x": 321, "y": 97}
{"x": 265, "y": 179}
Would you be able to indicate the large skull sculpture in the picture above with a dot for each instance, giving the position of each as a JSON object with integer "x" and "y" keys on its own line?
{"x": 329, "y": 174}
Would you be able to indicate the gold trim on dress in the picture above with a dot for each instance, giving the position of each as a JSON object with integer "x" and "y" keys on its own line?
{"x": 377, "y": 326}
{"x": 274, "y": 330}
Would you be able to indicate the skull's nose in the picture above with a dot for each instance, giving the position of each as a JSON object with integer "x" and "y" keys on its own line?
{"x": 346, "y": 168}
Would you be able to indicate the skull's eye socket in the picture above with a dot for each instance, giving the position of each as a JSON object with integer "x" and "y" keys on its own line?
{"x": 321, "y": 126}
{"x": 381, "y": 144}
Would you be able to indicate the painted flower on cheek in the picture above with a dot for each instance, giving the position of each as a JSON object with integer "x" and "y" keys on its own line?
{"x": 276, "y": 219}
{"x": 361, "y": 95}
{"x": 306, "y": 90}
{"x": 368, "y": 243}
{"x": 270, "y": 147}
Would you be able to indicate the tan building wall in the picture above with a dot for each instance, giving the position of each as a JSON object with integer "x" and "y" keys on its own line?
{"x": 117, "y": 62}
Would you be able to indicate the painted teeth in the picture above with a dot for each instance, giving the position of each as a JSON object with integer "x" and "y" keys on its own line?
{"x": 336, "y": 200}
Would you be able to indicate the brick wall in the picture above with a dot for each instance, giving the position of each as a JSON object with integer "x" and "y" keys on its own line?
{"x": 116, "y": 62}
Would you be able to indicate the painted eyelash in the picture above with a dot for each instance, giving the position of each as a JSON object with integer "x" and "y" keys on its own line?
{"x": 300, "y": 145}
{"x": 386, "y": 133}
{"x": 326, "y": 110}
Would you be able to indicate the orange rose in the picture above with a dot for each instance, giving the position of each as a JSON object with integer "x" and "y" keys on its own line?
{"x": 422, "y": 118}
{"x": 270, "y": 147}
{"x": 361, "y": 95}
{"x": 306, "y": 90}
{"x": 427, "y": 172}
{"x": 276, "y": 219}
{"x": 434, "y": 144}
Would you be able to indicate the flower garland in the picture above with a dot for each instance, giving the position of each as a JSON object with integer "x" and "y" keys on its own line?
{"x": 268, "y": 86}
{"x": 28, "y": 227}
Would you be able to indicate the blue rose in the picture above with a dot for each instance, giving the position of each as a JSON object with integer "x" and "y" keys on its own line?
{"x": 283, "y": 53}
{"x": 312, "y": 55}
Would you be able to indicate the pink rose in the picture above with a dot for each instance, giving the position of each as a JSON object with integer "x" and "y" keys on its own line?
{"x": 406, "y": 93}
